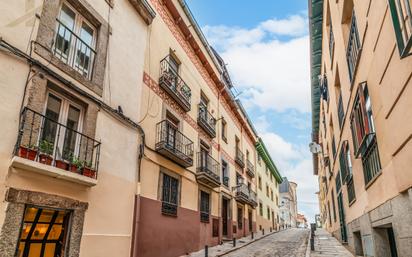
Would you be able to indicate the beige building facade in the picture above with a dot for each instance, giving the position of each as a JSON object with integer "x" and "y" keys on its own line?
{"x": 288, "y": 209}
{"x": 268, "y": 181}
{"x": 361, "y": 97}
{"x": 70, "y": 139}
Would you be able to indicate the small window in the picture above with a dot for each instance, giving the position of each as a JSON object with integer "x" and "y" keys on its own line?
{"x": 225, "y": 173}
{"x": 44, "y": 232}
{"x": 240, "y": 218}
{"x": 239, "y": 179}
{"x": 75, "y": 40}
{"x": 260, "y": 209}
{"x": 259, "y": 160}
{"x": 224, "y": 130}
{"x": 401, "y": 18}
{"x": 204, "y": 207}
{"x": 170, "y": 195}
{"x": 267, "y": 190}
{"x": 268, "y": 212}
{"x": 260, "y": 182}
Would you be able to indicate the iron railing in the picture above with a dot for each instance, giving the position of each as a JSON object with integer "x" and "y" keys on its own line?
{"x": 206, "y": 120}
{"x": 169, "y": 208}
{"x": 174, "y": 84}
{"x": 353, "y": 47}
{"x": 206, "y": 164}
{"x": 242, "y": 190}
{"x": 170, "y": 138}
{"x": 47, "y": 141}
{"x": 72, "y": 50}
{"x": 341, "y": 112}
{"x": 370, "y": 160}
{"x": 250, "y": 168}
{"x": 240, "y": 158}
{"x": 253, "y": 198}
{"x": 204, "y": 216}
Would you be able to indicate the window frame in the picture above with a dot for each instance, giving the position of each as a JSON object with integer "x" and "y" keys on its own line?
{"x": 201, "y": 211}
{"x": 404, "y": 44}
{"x": 163, "y": 173}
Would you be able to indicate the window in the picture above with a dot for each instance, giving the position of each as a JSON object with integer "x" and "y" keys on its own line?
{"x": 44, "y": 232}
{"x": 353, "y": 47}
{"x": 259, "y": 159}
{"x": 75, "y": 40}
{"x": 239, "y": 179}
{"x": 330, "y": 217}
{"x": 333, "y": 205}
{"x": 277, "y": 201}
{"x": 267, "y": 190}
{"x": 240, "y": 218}
{"x": 323, "y": 85}
{"x": 331, "y": 37}
{"x": 339, "y": 100}
{"x": 224, "y": 130}
{"x": 268, "y": 212}
{"x": 63, "y": 139}
{"x": 363, "y": 134}
{"x": 401, "y": 18}
{"x": 204, "y": 207}
{"x": 260, "y": 209}
{"x": 271, "y": 194}
{"x": 260, "y": 182}
{"x": 225, "y": 173}
{"x": 170, "y": 195}
{"x": 345, "y": 161}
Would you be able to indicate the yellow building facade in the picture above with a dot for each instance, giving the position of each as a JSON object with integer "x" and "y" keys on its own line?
{"x": 361, "y": 97}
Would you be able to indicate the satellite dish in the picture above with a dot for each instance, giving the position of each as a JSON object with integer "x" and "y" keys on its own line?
{"x": 314, "y": 148}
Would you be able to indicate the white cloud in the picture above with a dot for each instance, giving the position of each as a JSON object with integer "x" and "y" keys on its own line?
{"x": 272, "y": 73}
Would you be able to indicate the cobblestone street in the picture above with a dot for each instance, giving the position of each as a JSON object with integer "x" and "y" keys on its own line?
{"x": 291, "y": 243}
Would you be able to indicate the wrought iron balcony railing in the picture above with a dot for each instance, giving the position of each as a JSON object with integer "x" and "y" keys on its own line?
{"x": 250, "y": 169}
{"x": 72, "y": 50}
{"x": 253, "y": 199}
{"x": 207, "y": 170}
{"x": 174, "y": 85}
{"x": 47, "y": 141}
{"x": 206, "y": 121}
{"x": 370, "y": 159}
{"x": 242, "y": 193}
{"x": 173, "y": 144}
{"x": 240, "y": 158}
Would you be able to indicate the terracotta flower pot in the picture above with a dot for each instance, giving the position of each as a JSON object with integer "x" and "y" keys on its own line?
{"x": 45, "y": 159}
{"x": 27, "y": 153}
{"x": 62, "y": 165}
{"x": 88, "y": 172}
{"x": 74, "y": 169}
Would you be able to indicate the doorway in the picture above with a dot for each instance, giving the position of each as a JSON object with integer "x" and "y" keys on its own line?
{"x": 225, "y": 216}
{"x": 343, "y": 232}
{"x": 250, "y": 217}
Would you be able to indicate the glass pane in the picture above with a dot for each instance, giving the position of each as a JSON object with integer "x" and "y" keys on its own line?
{"x": 25, "y": 231}
{"x": 86, "y": 34}
{"x": 52, "y": 116}
{"x": 72, "y": 124}
{"x": 20, "y": 250}
{"x": 30, "y": 214}
{"x": 84, "y": 49}
{"x": 35, "y": 250}
{"x": 173, "y": 64}
{"x": 55, "y": 232}
{"x": 49, "y": 250}
{"x": 39, "y": 232}
{"x": 60, "y": 217}
{"x": 67, "y": 17}
{"x": 46, "y": 216}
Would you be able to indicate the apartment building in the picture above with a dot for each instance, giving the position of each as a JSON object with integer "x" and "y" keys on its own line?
{"x": 197, "y": 181}
{"x": 268, "y": 181}
{"x": 67, "y": 182}
{"x": 361, "y": 97}
{"x": 288, "y": 204}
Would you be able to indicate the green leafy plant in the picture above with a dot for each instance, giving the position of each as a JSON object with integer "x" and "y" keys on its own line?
{"x": 46, "y": 147}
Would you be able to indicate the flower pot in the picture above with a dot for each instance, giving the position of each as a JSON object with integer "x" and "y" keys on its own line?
{"x": 62, "y": 165}
{"x": 88, "y": 172}
{"x": 74, "y": 169}
{"x": 27, "y": 153}
{"x": 45, "y": 159}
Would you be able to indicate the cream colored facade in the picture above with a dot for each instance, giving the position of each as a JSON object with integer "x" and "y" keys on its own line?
{"x": 288, "y": 209}
{"x": 268, "y": 179}
{"x": 363, "y": 124}
{"x": 99, "y": 209}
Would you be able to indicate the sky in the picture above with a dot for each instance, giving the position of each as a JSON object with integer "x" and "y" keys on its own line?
{"x": 265, "y": 45}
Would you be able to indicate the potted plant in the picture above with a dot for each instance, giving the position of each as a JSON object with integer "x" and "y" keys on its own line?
{"x": 28, "y": 151}
{"x": 76, "y": 165}
{"x": 88, "y": 170}
{"x": 62, "y": 164}
{"x": 46, "y": 151}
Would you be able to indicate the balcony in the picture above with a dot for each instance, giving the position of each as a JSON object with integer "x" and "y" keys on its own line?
{"x": 206, "y": 121}
{"x": 250, "y": 169}
{"x": 253, "y": 199}
{"x": 240, "y": 158}
{"x": 53, "y": 149}
{"x": 73, "y": 51}
{"x": 242, "y": 193}
{"x": 174, "y": 85}
{"x": 207, "y": 170}
{"x": 172, "y": 144}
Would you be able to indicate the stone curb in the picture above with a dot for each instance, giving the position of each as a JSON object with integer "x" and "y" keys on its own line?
{"x": 248, "y": 243}
{"x": 308, "y": 251}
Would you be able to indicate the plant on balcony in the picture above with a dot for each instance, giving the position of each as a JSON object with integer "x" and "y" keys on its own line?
{"x": 76, "y": 165}
{"x": 88, "y": 170}
{"x": 28, "y": 151}
{"x": 46, "y": 151}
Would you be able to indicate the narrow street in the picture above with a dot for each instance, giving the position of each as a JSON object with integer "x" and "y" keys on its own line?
{"x": 291, "y": 243}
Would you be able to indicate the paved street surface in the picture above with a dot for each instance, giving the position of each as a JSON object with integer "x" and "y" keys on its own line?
{"x": 286, "y": 243}
{"x": 328, "y": 246}
{"x": 290, "y": 243}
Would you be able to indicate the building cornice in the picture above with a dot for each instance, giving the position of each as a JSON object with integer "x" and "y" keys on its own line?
{"x": 263, "y": 152}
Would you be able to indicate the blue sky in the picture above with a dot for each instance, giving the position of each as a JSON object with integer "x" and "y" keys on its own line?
{"x": 266, "y": 47}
